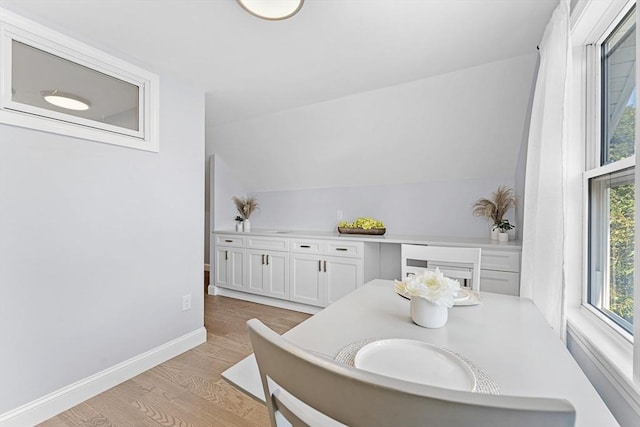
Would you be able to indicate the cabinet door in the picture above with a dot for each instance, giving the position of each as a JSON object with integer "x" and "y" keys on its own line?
{"x": 221, "y": 267}
{"x": 342, "y": 276}
{"x": 229, "y": 267}
{"x": 236, "y": 269}
{"x": 275, "y": 275}
{"x": 501, "y": 282}
{"x": 500, "y": 261}
{"x": 306, "y": 279}
{"x": 255, "y": 263}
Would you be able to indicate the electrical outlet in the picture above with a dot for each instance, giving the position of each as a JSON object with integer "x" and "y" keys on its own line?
{"x": 186, "y": 302}
{"x": 339, "y": 215}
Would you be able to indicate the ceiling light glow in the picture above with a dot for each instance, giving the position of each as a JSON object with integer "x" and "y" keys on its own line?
{"x": 272, "y": 9}
{"x": 65, "y": 100}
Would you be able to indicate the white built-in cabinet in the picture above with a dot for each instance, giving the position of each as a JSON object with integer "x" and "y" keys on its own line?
{"x": 500, "y": 272}
{"x": 267, "y": 273}
{"x": 307, "y": 271}
{"x": 308, "y": 281}
{"x": 229, "y": 262}
{"x": 324, "y": 271}
{"x": 341, "y": 275}
{"x": 267, "y": 266}
{"x": 311, "y": 272}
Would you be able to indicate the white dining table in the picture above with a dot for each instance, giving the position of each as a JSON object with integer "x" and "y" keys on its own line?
{"x": 505, "y": 336}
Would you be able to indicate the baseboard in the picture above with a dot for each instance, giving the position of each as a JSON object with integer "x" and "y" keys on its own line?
{"x": 67, "y": 397}
{"x": 274, "y": 302}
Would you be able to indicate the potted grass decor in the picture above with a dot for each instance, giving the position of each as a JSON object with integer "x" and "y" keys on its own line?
{"x": 503, "y": 227}
{"x": 245, "y": 207}
{"x": 495, "y": 208}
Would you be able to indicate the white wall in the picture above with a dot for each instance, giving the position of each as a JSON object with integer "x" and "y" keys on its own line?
{"x": 436, "y": 208}
{"x": 98, "y": 244}
{"x": 462, "y": 125}
{"x": 415, "y": 155}
{"x": 225, "y": 186}
{"x": 222, "y": 184}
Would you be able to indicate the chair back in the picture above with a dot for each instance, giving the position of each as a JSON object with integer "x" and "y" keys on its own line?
{"x": 453, "y": 262}
{"x": 303, "y": 389}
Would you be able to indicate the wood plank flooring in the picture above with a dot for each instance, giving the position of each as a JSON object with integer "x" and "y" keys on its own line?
{"x": 188, "y": 390}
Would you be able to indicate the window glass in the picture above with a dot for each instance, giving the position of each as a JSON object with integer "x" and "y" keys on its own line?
{"x": 611, "y": 181}
{"x": 41, "y": 79}
{"x": 619, "y": 92}
{"x": 612, "y": 245}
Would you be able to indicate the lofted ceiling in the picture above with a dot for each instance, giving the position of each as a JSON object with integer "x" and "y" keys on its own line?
{"x": 250, "y": 67}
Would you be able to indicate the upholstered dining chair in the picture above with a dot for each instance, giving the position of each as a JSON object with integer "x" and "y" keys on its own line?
{"x": 456, "y": 263}
{"x": 304, "y": 389}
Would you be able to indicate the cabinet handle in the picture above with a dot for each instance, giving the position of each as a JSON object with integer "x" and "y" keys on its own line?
{"x": 267, "y": 259}
{"x": 325, "y": 266}
{"x": 342, "y": 249}
{"x": 320, "y": 265}
{"x": 229, "y": 241}
{"x": 305, "y": 246}
{"x": 226, "y": 255}
{"x": 262, "y": 259}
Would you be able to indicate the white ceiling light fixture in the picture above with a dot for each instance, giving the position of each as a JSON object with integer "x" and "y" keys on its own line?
{"x": 273, "y": 10}
{"x": 65, "y": 100}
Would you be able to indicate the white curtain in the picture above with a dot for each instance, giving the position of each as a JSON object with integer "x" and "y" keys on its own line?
{"x": 543, "y": 234}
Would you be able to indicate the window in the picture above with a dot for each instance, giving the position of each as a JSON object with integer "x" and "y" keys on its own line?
{"x": 53, "y": 83}
{"x": 610, "y": 176}
{"x": 612, "y": 231}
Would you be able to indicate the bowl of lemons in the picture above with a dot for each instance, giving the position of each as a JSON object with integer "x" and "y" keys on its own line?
{"x": 362, "y": 225}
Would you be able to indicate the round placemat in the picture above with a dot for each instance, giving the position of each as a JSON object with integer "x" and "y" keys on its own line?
{"x": 484, "y": 383}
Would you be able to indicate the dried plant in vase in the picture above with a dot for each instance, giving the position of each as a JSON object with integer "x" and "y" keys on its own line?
{"x": 245, "y": 207}
{"x": 497, "y": 206}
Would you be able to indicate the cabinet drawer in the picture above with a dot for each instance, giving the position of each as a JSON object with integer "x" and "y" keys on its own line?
{"x": 230, "y": 240}
{"x": 306, "y": 246}
{"x": 345, "y": 249}
{"x": 268, "y": 243}
{"x": 500, "y": 260}
{"x": 500, "y": 282}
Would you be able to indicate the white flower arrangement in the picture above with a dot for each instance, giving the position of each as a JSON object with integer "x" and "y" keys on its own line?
{"x": 432, "y": 286}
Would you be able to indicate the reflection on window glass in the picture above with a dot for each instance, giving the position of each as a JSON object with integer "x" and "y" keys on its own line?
{"x": 619, "y": 92}
{"x": 47, "y": 81}
{"x": 612, "y": 246}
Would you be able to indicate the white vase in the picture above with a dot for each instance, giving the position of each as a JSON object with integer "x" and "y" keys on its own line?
{"x": 246, "y": 225}
{"x": 239, "y": 226}
{"x": 494, "y": 232}
{"x": 427, "y": 314}
{"x": 503, "y": 237}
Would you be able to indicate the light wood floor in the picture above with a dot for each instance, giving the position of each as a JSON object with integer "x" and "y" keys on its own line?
{"x": 188, "y": 390}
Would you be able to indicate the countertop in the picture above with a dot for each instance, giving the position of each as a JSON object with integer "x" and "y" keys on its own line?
{"x": 478, "y": 242}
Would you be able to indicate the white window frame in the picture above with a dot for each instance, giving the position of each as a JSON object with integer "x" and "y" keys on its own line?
{"x": 615, "y": 353}
{"x": 596, "y": 172}
{"x": 593, "y": 141}
{"x": 14, "y": 27}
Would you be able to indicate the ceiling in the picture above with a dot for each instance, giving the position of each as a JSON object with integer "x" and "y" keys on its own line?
{"x": 332, "y": 48}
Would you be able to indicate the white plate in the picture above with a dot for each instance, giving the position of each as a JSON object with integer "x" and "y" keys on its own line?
{"x": 462, "y": 295}
{"x": 417, "y": 362}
